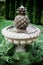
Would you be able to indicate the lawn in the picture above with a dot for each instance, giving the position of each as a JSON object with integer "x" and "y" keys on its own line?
{"x": 4, "y": 23}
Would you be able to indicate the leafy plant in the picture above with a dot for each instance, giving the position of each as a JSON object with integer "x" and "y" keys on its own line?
{"x": 9, "y": 56}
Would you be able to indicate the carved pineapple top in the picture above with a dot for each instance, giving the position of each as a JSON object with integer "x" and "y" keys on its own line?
{"x": 21, "y": 10}
{"x": 21, "y": 20}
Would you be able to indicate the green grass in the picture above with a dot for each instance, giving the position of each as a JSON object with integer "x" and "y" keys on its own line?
{"x": 4, "y": 23}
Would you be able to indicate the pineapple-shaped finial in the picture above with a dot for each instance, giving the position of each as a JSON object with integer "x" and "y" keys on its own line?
{"x": 21, "y": 20}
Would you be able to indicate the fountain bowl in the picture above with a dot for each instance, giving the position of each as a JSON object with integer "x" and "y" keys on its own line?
{"x": 27, "y": 37}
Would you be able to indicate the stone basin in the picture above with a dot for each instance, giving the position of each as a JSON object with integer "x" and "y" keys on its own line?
{"x": 28, "y": 36}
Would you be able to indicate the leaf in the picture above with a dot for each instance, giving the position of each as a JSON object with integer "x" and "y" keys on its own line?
{"x": 4, "y": 47}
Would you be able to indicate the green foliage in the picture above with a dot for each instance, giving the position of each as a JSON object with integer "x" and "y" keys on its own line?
{"x": 9, "y": 56}
{"x": 2, "y": 8}
{"x": 12, "y": 9}
{"x": 7, "y": 9}
{"x": 29, "y": 6}
{"x": 4, "y": 47}
{"x": 42, "y": 17}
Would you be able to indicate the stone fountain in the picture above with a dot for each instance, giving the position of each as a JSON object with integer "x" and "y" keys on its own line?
{"x": 21, "y": 33}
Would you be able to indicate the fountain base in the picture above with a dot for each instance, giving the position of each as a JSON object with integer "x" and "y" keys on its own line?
{"x": 20, "y": 48}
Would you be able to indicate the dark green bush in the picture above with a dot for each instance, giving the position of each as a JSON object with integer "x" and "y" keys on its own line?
{"x": 41, "y": 17}
{"x": 34, "y": 8}
{"x": 7, "y": 9}
{"x": 2, "y": 8}
{"x": 32, "y": 56}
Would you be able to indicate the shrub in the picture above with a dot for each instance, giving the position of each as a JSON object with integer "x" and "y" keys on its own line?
{"x": 41, "y": 17}
{"x": 8, "y": 56}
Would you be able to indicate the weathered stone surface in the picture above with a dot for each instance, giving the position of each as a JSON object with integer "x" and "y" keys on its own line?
{"x": 22, "y": 38}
